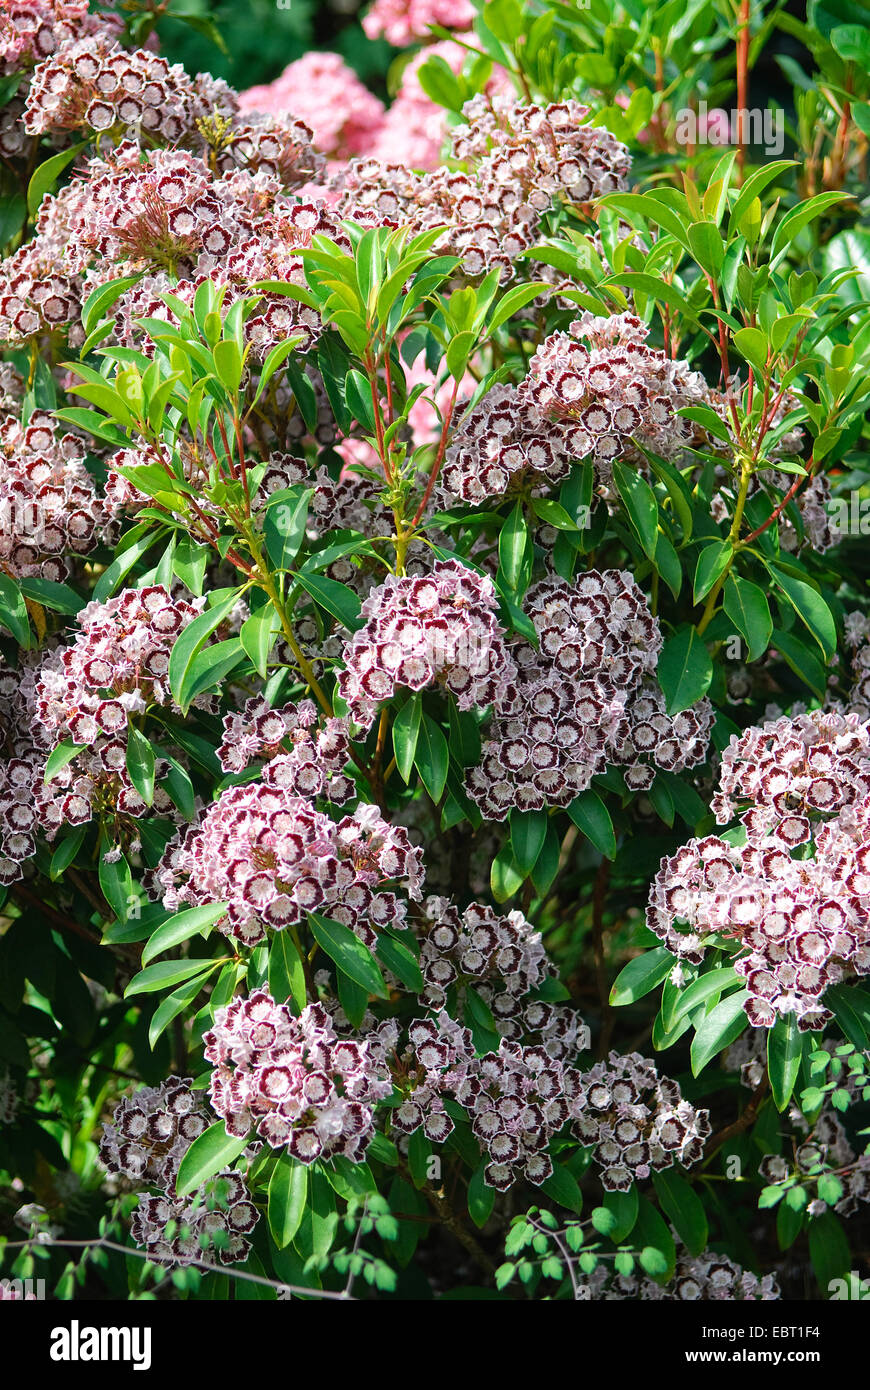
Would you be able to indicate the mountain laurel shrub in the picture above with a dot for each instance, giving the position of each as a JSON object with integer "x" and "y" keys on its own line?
{"x": 435, "y": 685}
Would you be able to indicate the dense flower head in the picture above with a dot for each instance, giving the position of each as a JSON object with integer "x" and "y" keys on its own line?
{"x": 293, "y": 1079}
{"x": 32, "y": 30}
{"x": 211, "y": 1224}
{"x": 790, "y": 771}
{"x": 584, "y": 698}
{"x": 802, "y": 922}
{"x": 518, "y": 1099}
{"x": 421, "y": 630}
{"x": 49, "y": 506}
{"x": 501, "y": 958}
{"x": 305, "y": 760}
{"x": 151, "y": 1132}
{"x": 272, "y": 856}
{"x": 520, "y": 161}
{"x": 437, "y": 1057}
{"x": 37, "y": 297}
{"x": 709, "y": 1276}
{"x": 636, "y": 1120}
{"x": 498, "y": 446}
{"x": 95, "y": 84}
{"x": 599, "y": 389}
{"x": 117, "y": 666}
{"x": 400, "y": 22}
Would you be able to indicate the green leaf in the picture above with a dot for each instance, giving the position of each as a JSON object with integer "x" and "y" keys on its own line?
{"x": 47, "y": 174}
{"x": 683, "y": 1208}
{"x": 716, "y": 981}
{"x": 13, "y": 611}
{"x": 640, "y": 503}
{"x": 116, "y": 882}
{"x": 713, "y": 560}
{"x": 830, "y": 1253}
{"x": 747, "y": 607}
{"x": 788, "y": 227}
{"x": 207, "y": 1155}
{"x": 401, "y": 961}
{"x": 528, "y": 833}
{"x": 349, "y": 954}
{"x": 66, "y": 852}
{"x": 725, "y": 1022}
{"x": 59, "y": 757}
{"x": 641, "y": 975}
{"x": 481, "y": 1199}
{"x": 809, "y": 606}
{"x": 167, "y": 972}
{"x": 336, "y": 598}
{"x": 174, "y": 1004}
{"x": 257, "y": 636}
{"x": 190, "y": 642}
{"x": 181, "y": 927}
{"x": 431, "y": 757}
{"x": 851, "y": 1008}
{"x": 406, "y": 729}
{"x": 515, "y": 551}
{"x": 623, "y": 1208}
{"x": 288, "y": 1193}
{"x": 562, "y": 1187}
{"x": 287, "y": 972}
{"x": 591, "y": 816}
{"x": 651, "y": 1233}
{"x": 140, "y": 763}
{"x": 802, "y": 661}
{"x": 785, "y": 1046}
{"x": 58, "y": 597}
{"x": 685, "y": 669}
{"x": 284, "y": 525}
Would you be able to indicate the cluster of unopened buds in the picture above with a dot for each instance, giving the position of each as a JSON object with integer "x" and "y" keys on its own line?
{"x": 294, "y": 1080}
{"x": 636, "y": 1121}
{"x": 273, "y": 857}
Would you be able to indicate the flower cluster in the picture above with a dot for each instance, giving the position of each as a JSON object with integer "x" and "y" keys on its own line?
{"x": 151, "y": 1132}
{"x": 502, "y": 958}
{"x": 400, "y": 22}
{"x": 148, "y": 1137}
{"x": 118, "y": 666}
{"x": 520, "y": 160}
{"x": 314, "y": 766}
{"x": 518, "y": 1099}
{"x": 599, "y": 390}
{"x": 439, "y": 627}
{"x": 293, "y": 1079}
{"x": 799, "y": 917}
{"x": 214, "y": 1221}
{"x": 636, "y": 1120}
{"x": 437, "y": 1059}
{"x": 48, "y": 503}
{"x": 789, "y": 771}
{"x": 583, "y": 699}
{"x": 826, "y": 1148}
{"x": 272, "y": 857}
{"x": 31, "y": 30}
{"x": 709, "y": 1276}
